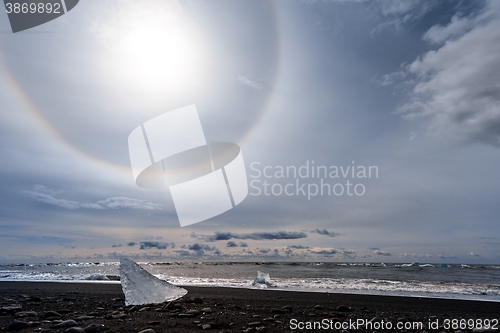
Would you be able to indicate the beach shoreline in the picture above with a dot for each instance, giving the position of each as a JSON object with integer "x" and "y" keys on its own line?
{"x": 224, "y": 309}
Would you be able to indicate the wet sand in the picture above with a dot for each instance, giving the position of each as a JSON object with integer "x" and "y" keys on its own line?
{"x": 100, "y": 307}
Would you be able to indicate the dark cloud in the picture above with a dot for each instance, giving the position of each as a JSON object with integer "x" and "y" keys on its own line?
{"x": 231, "y": 244}
{"x": 324, "y": 232}
{"x": 243, "y": 244}
{"x": 198, "y": 247}
{"x": 158, "y": 245}
{"x": 298, "y": 247}
{"x": 116, "y": 245}
{"x": 131, "y": 244}
{"x": 270, "y": 235}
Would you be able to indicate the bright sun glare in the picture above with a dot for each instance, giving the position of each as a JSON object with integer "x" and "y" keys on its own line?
{"x": 152, "y": 48}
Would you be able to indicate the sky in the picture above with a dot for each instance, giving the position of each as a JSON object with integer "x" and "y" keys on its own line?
{"x": 399, "y": 101}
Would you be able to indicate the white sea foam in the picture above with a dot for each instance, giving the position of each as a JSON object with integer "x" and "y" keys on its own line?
{"x": 442, "y": 280}
{"x": 97, "y": 277}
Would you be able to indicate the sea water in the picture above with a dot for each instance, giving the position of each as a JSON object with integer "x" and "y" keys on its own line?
{"x": 475, "y": 282}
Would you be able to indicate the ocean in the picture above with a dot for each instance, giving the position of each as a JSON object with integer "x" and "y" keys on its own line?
{"x": 451, "y": 281}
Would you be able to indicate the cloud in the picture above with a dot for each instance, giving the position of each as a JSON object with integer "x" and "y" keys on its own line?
{"x": 380, "y": 252}
{"x": 124, "y": 202}
{"x": 333, "y": 252}
{"x": 131, "y": 244}
{"x": 398, "y": 14}
{"x": 198, "y": 249}
{"x": 116, "y": 245}
{"x": 154, "y": 238}
{"x": 271, "y": 235}
{"x": 298, "y": 247}
{"x": 62, "y": 203}
{"x": 243, "y": 244}
{"x": 46, "y": 195}
{"x": 319, "y": 250}
{"x": 324, "y": 232}
{"x": 231, "y": 244}
{"x": 42, "y": 189}
{"x": 159, "y": 245}
{"x": 250, "y": 83}
{"x": 457, "y": 86}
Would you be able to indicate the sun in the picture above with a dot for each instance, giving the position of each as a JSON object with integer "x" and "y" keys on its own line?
{"x": 151, "y": 48}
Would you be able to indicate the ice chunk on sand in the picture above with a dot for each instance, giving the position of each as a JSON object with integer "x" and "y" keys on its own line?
{"x": 140, "y": 287}
{"x": 263, "y": 280}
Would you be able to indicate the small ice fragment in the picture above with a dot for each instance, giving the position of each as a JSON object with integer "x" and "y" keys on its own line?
{"x": 413, "y": 264}
{"x": 262, "y": 281}
{"x": 140, "y": 287}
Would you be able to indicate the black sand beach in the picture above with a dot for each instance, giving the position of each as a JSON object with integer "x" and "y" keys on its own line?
{"x": 95, "y": 307}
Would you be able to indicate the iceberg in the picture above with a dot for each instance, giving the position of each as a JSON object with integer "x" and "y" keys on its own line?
{"x": 413, "y": 264}
{"x": 262, "y": 281}
{"x": 140, "y": 287}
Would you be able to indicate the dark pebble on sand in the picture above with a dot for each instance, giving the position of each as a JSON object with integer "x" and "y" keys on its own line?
{"x": 206, "y": 326}
{"x": 318, "y": 307}
{"x": 75, "y": 330}
{"x": 63, "y": 311}
{"x": 287, "y": 308}
{"x": 343, "y": 308}
{"x": 33, "y": 299}
{"x": 11, "y": 309}
{"x": 162, "y": 310}
{"x": 24, "y": 314}
{"x": 206, "y": 310}
{"x": 195, "y": 300}
{"x": 185, "y": 315}
{"x": 66, "y": 323}
{"x": 154, "y": 323}
{"x": 94, "y": 328}
{"x": 51, "y": 314}
{"x": 17, "y": 325}
{"x": 119, "y": 316}
{"x": 193, "y": 312}
{"x": 149, "y": 330}
{"x": 278, "y": 311}
{"x": 254, "y": 323}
